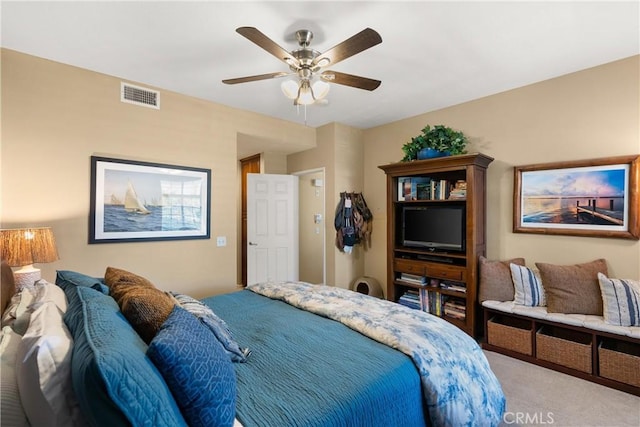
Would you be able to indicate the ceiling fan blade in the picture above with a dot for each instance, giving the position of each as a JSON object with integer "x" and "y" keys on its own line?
{"x": 350, "y": 80}
{"x": 355, "y": 44}
{"x": 256, "y": 36}
{"x": 255, "y": 78}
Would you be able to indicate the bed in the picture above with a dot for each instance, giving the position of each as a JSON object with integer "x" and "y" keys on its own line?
{"x": 279, "y": 354}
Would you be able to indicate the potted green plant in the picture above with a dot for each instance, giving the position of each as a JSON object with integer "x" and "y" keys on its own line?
{"x": 438, "y": 141}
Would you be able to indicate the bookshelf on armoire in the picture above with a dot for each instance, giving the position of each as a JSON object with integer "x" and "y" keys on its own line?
{"x": 435, "y": 234}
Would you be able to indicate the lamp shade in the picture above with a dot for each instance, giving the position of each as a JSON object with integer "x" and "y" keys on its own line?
{"x": 305, "y": 95}
{"x": 290, "y": 89}
{"x": 320, "y": 89}
{"x": 303, "y": 92}
{"x": 25, "y": 246}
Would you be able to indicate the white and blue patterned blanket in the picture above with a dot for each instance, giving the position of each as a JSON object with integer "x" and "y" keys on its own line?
{"x": 459, "y": 387}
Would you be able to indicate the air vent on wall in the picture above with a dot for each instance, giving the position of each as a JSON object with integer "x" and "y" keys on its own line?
{"x": 139, "y": 96}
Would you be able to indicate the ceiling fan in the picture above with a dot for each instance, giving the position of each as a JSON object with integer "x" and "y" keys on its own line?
{"x": 311, "y": 84}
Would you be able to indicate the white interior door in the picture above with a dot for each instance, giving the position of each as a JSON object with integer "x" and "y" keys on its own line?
{"x": 272, "y": 228}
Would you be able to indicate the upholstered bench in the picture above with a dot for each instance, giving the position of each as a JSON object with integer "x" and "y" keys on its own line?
{"x": 588, "y": 346}
{"x": 580, "y": 320}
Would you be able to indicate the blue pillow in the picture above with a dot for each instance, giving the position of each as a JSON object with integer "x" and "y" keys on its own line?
{"x": 114, "y": 381}
{"x": 215, "y": 324}
{"x": 197, "y": 370}
{"x": 69, "y": 280}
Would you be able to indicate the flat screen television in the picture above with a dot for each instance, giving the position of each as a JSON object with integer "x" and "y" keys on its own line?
{"x": 434, "y": 227}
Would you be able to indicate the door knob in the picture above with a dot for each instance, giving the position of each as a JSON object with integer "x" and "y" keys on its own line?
{"x": 253, "y": 244}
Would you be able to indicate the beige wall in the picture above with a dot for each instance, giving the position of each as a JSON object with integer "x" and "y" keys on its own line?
{"x": 273, "y": 163}
{"x": 311, "y": 235}
{"x": 593, "y": 113}
{"x": 54, "y": 117}
{"x": 340, "y": 151}
{"x": 349, "y": 157}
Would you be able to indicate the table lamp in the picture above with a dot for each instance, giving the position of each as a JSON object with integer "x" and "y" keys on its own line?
{"x": 22, "y": 247}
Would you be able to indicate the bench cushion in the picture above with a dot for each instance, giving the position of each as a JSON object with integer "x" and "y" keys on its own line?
{"x": 581, "y": 320}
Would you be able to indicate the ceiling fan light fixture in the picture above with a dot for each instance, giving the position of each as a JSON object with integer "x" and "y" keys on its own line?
{"x": 305, "y": 94}
{"x": 320, "y": 89}
{"x": 290, "y": 89}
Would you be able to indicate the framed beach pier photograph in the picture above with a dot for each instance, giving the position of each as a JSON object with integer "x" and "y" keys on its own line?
{"x": 597, "y": 198}
{"x": 143, "y": 201}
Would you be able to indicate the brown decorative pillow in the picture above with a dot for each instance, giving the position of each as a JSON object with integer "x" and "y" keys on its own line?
{"x": 119, "y": 280}
{"x": 495, "y": 279}
{"x": 146, "y": 310}
{"x": 573, "y": 288}
{"x": 142, "y": 304}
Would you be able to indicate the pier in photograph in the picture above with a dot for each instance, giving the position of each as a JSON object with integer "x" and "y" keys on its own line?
{"x": 609, "y": 215}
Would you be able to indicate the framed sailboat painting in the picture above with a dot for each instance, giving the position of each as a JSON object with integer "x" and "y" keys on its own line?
{"x": 142, "y": 201}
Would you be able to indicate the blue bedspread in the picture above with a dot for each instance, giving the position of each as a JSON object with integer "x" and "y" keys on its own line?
{"x": 459, "y": 387}
{"x": 305, "y": 370}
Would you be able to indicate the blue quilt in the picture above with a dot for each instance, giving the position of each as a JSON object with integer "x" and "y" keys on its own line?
{"x": 459, "y": 387}
{"x": 306, "y": 370}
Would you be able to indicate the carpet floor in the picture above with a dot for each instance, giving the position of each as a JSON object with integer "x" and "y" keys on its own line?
{"x": 539, "y": 396}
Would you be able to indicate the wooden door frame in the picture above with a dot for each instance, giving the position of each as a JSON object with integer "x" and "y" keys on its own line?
{"x": 247, "y": 165}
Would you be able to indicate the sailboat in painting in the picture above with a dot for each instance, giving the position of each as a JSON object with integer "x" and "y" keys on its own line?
{"x": 132, "y": 203}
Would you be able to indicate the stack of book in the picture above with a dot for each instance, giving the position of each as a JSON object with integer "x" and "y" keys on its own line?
{"x": 459, "y": 191}
{"x": 454, "y": 286}
{"x": 432, "y": 301}
{"x": 411, "y": 299}
{"x": 414, "y": 279}
{"x": 455, "y": 308}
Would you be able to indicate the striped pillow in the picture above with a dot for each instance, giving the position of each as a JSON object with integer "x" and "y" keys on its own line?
{"x": 215, "y": 324}
{"x": 528, "y": 286}
{"x": 621, "y": 301}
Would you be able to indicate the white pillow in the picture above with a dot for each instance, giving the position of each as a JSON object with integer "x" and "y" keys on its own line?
{"x": 18, "y": 305}
{"x": 45, "y": 291}
{"x": 29, "y": 298}
{"x": 527, "y": 286}
{"x": 12, "y": 411}
{"x": 44, "y": 369}
{"x": 620, "y": 301}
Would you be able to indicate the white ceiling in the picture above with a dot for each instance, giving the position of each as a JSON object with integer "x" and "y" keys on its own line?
{"x": 433, "y": 54}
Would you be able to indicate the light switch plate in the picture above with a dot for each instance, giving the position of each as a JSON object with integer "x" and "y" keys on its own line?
{"x": 221, "y": 241}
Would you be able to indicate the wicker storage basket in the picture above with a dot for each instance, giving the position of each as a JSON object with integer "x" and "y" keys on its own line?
{"x": 564, "y": 347}
{"x": 510, "y": 334}
{"x": 621, "y": 363}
